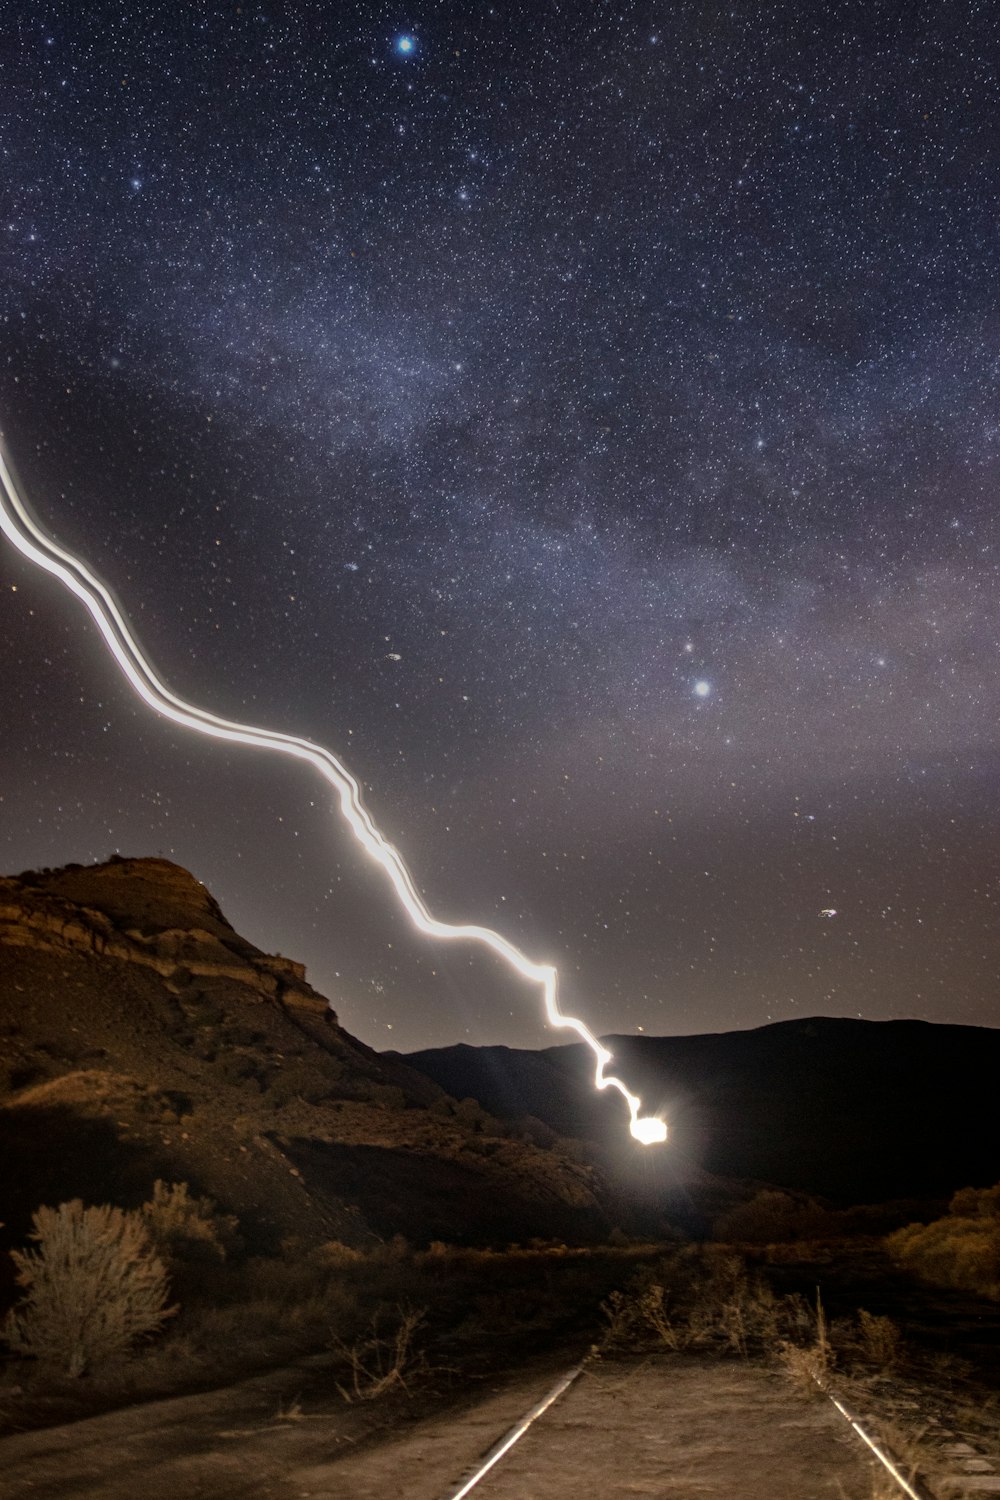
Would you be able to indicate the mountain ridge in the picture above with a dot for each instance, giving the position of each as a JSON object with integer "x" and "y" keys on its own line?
{"x": 850, "y": 1109}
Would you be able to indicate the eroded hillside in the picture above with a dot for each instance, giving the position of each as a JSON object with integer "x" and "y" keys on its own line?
{"x": 143, "y": 1037}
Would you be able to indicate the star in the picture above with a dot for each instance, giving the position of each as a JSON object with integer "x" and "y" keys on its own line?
{"x": 409, "y": 366}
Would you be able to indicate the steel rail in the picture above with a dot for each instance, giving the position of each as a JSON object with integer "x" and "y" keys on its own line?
{"x": 912, "y": 1485}
{"x": 515, "y": 1433}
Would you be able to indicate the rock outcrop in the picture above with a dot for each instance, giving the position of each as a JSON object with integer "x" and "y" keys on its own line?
{"x": 141, "y": 1036}
{"x": 44, "y": 910}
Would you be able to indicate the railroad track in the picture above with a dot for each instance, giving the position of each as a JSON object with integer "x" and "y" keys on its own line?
{"x": 957, "y": 1461}
{"x": 673, "y": 1427}
{"x": 677, "y": 1428}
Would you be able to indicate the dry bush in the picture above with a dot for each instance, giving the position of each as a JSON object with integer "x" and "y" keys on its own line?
{"x": 383, "y": 1362}
{"x": 774, "y": 1217}
{"x": 806, "y": 1357}
{"x": 976, "y": 1203}
{"x": 803, "y": 1366}
{"x": 961, "y": 1250}
{"x": 740, "y": 1309}
{"x": 93, "y": 1288}
{"x": 699, "y": 1298}
{"x": 334, "y": 1254}
{"x": 188, "y": 1229}
{"x": 880, "y": 1339}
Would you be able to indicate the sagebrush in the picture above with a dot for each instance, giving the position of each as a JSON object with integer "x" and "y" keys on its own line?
{"x": 961, "y": 1250}
{"x": 93, "y": 1287}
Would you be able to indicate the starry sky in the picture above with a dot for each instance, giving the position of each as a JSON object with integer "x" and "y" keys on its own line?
{"x": 582, "y": 417}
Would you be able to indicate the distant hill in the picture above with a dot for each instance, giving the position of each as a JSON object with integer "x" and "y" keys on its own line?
{"x": 142, "y": 1037}
{"x": 858, "y": 1111}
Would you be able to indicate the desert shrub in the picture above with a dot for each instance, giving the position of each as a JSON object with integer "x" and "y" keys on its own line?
{"x": 334, "y": 1254}
{"x": 384, "y": 1360}
{"x": 806, "y": 1355}
{"x": 471, "y": 1113}
{"x": 204, "y": 1011}
{"x": 772, "y": 1217}
{"x": 976, "y": 1203}
{"x": 734, "y": 1307}
{"x": 93, "y": 1288}
{"x": 699, "y": 1298}
{"x": 880, "y": 1339}
{"x": 961, "y": 1250}
{"x": 186, "y": 1229}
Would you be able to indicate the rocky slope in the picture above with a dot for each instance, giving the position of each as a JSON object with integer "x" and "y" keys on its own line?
{"x": 142, "y": 1037}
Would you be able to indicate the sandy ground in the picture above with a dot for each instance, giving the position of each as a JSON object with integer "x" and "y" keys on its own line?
{"x": 679, "y": 1427}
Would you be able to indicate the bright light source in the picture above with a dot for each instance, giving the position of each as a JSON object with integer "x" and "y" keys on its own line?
{"x": 648, "y": 1130}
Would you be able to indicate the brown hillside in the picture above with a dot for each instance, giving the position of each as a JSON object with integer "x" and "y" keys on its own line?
{"x": 142, "y": 1037}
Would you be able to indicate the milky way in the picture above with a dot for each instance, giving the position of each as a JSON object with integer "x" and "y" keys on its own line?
{"x": 586, "y": 421}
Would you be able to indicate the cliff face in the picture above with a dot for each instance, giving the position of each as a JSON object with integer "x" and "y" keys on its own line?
{"x": 143, "y": 911}
{"x": 141, "y": 1036}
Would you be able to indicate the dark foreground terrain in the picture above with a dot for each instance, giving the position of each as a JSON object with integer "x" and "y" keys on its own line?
{"x": 698, "y": 1379}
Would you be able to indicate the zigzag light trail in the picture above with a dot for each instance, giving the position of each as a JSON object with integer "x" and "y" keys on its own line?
{"x": 33, "y": 543}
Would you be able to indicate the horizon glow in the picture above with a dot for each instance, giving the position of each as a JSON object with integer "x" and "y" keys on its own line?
{"x": 38, "y": 547}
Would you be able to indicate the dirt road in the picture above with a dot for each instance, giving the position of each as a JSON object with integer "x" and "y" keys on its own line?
{"x": 678, "y": 1428}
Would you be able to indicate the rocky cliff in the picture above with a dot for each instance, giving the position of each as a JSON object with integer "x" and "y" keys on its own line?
{"x": 118, "y": 910}
{"x": 141, "y": 1036}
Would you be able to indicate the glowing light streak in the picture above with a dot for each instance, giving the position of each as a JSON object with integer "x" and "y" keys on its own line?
{"x": 507, "y": 1442}
{"x": 34, "y": 544}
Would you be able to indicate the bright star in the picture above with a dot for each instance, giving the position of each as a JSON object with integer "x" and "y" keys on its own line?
{"x": 703, "y": 688}
{"x": 406, "y": 45}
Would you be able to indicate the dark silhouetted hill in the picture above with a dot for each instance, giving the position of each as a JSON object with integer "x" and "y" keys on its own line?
{"x": 858, "y": 1111}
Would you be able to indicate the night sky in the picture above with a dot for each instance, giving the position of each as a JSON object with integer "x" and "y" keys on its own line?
{"x": 582, "y": 417}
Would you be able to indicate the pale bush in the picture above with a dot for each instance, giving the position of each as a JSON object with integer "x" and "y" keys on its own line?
{"x": 92, "y": 1288}
{"x": 961, "y": 1250}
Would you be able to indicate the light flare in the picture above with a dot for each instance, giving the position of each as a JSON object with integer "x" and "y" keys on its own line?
{"x": 33, "y": 543}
